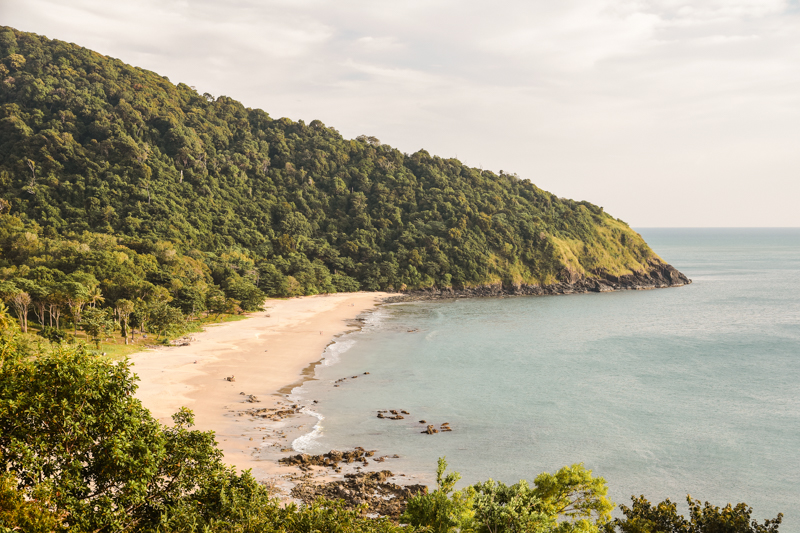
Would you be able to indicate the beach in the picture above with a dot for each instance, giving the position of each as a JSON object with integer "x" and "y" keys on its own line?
{"x": 236, "y": 376}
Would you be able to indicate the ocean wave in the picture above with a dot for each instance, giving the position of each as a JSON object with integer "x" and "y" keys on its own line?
{"x": 304, "y": 443}
{"x": 333, "y": 352}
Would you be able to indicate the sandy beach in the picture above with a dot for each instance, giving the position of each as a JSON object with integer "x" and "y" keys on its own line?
{"x": 266, "y": 354}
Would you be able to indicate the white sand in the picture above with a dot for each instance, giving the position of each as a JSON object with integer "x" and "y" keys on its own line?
{"x": 266, "y": 353}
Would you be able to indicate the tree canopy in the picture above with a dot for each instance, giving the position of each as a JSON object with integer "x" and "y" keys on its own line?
{"x": 97, "y": 155}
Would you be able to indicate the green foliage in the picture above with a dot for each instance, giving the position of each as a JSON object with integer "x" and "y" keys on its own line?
{"x": 503, "y": 509}
{"x": 32, "y": 515}
{"x": 98, "y": 159}
{"x": 70, "y": 422}
{"x": 6, "y": 321}
{"x": 568, "y": 501}
{"x": 644, "y": 517}
{"x": 443, "y": 510}
{"x": 163, "y": 317}
{"x": 55, "y": 335}
{"x": 575, "y": 496}
{"x": 97, "y": 324}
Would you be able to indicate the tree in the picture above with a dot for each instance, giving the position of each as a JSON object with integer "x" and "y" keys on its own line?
{"x": 21, "y": 300}
{"x": 644, "y": 517}
{"x": 39, "y": 300}
{"x": 94, "y": 296}
{"x": 443, "y": 510}
{"x": 76, "y": 295}
{"x": 569, "y": 501}
{"x": 124, "y": 308}
{"x": 56, "y": 301}
{"x": 244, "y": 291}
{"x": 71, "y": 423}
{"x": 163, "y": 317}
{"x": 97, "y": 324}
{"x": 215, "y": 301}
{"x": 572, "y": 494}
{"x": 503, "y": 509}
{"x": 191, "y": 300}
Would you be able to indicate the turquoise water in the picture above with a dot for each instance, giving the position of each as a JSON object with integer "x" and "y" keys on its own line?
{"x": 665, "y": 392}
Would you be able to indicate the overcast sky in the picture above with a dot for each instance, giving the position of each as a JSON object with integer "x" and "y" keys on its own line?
{"x": 665, "y": 112}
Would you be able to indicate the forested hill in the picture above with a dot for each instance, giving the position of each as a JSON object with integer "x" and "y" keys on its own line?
{"x": 106, "y": 168}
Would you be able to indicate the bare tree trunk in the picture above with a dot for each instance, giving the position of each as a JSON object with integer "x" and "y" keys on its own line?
{"x": 33, "y": 173}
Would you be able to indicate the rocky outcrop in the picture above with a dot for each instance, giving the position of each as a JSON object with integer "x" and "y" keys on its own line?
{"x": 659, "y": 276}
{"x": 371, "y": 488}
{"x": 275, "y": 414}
{"x": 330, "y": 459}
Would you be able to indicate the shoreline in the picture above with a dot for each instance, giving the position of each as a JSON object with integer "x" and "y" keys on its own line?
{"x": 268, "y": 354}
{"x": 255, "y": 418}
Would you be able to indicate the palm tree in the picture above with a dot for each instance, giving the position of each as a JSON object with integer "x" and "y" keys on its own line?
{"x": 95, "y": 296}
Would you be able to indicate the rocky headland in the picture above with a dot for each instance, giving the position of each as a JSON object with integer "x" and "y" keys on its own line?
{"x": 659, "y": 276}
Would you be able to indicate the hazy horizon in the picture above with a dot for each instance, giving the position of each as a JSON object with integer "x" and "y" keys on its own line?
{"x": 667, "y": 113}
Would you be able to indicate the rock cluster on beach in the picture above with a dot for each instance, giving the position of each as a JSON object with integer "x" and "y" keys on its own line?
{"x": 275, "y": 414}
{"x": 330, "y": 459}
{"x": 250, "y": 398}
{"x": 370, "y": 488}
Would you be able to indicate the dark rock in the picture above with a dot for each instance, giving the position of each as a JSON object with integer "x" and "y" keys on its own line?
{"x": 271, "y": 413}
{"x": 372, "y": 488}
{"x": 330, "y": 459}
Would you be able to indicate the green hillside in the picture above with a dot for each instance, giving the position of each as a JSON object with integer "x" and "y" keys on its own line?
{"x": 114, "y": 171}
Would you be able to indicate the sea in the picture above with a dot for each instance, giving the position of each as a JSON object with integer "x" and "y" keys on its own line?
{"x": 665, "y": 393}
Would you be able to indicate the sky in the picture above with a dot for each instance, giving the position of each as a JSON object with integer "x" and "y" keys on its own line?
{"x": 668, "y": 113}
